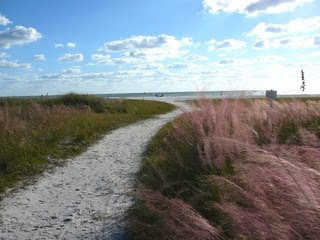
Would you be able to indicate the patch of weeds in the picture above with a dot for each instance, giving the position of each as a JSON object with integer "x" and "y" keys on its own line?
{"x": 313, "y": 125}
{"x": 289, "y": 132}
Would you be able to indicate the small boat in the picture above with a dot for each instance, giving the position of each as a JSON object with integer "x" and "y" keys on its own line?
{"x": 159, "y": 95}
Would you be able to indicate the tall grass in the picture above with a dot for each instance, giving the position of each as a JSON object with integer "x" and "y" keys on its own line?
{"x": 36, "y": 133}
{"x": 248, "y": 170}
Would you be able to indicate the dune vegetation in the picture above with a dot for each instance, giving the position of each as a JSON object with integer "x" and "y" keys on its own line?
{"x": 233, "y": 169}
{"x": 36, "y": 133}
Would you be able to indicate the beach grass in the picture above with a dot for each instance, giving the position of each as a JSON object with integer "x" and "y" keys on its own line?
{"x": 37, "y": 133}
{"x": 233, "y": 169}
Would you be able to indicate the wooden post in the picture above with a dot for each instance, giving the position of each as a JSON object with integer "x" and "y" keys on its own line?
{"x": 303, "y": 86}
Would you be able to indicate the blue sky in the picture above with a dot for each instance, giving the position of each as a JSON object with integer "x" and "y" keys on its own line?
{"x": 123, "y": 46}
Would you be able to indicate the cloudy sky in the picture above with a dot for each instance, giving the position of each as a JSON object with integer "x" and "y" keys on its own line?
{"x": 120, "y": 46}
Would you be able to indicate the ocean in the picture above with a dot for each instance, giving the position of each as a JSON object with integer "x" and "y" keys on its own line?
{"x": 188, "y": 95}
{"x": 209, "y": 94}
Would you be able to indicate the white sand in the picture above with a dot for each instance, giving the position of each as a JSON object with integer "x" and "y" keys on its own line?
{"x": 87, "y": 198}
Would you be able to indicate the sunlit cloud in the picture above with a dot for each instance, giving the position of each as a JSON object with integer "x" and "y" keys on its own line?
{"x": 297, "y": 26}
{"x": 40, "y": 57}
{"x": 261, "y": 44}
{"x": 73, "y": 70}
{"x": 69, "y": 57}
{"x": 15, "y": 65}
{"x": 4, "y": 20}
{"x": 252, "y": 7}
{"x": 18, "y": 35}
{"x": 226, "y": 61}
{"x": 68, "y": 45}
{"x": 71, "y": 45}
{"x": 195, "y": 58}
{"x": 304, "y": 41}
{"x": 227, "y": 44}
{"x": 4, "y": 55}
{"x": 143, "y": 48}
{"x": 59, "y": 45}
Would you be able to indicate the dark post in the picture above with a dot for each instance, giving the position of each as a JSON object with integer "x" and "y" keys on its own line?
{"x": 303, "y": 86}
{"x": 270, "y": 94}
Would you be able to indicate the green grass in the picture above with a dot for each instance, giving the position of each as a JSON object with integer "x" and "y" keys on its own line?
{"x": 313, "y": 125}
{"x": 38, "y": 133}
{"x": 289, "y": 130}
{"x": 304, "y": 99}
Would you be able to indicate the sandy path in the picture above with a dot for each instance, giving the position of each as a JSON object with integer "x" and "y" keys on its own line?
{"x": 88, "y": 197}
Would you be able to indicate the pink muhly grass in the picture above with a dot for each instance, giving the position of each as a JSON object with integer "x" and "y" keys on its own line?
{"x": 283, "y": 207}
{"x": 229, "y": 153}
{"x": 170, "y": 219}
{"x": 218, "y": 131}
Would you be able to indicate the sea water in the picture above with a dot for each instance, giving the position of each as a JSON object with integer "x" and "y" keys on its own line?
{"x": 211, "y": 94}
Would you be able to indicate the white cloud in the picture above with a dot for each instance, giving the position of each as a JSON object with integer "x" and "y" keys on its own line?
{"x": 263, "y": 30}
{"x": 250, "y": 61}
{"x": 40, "y": 57}
{"x": 316, "y": 40}
{"x": 143, "y": 48}
{"x": 146, "y": 42}
{"x": 261, "y": 44}
{"x": 195, "y": 58}
{"x": 71, "y": 45}
{"x": 96, "y": 76}
{"x": 288, "y": 35}
{"x": 3, "y": 20}
{"x": 306, "y": 56}
{"x": 108, "y": 59}
{"x": 9, "y": 64}
{"x": 304, "y": 41}
{"x": 102, "y": 58}
{"x": 18, "y": 35}
{"x": 178, "y": 65}
{"x": 59, "y": 45}
{"x": 69, "y": 57}
{"x": 252, "y": 7}
{"x": 269, "y": 59}
{"x": 73, "y": 70}
{"x": 4, "y": 55}
{"x": 5, "y": 78}
{"x": 262, "y": 73}
{"x": 227, "y": 44}
{"x": 148, "y": 66}
{"x": 315, "y": 54}
{"x": 226, "y": 61}
{"x": 296, "y": 42}
{"x": 244, "y": 73}
{"x": 51, "y": 76}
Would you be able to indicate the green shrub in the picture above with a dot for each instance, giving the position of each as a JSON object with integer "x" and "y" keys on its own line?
{"x": 289, "y": 131}
{"x": 78, "y": 100}
{"x": 314, "y": 125}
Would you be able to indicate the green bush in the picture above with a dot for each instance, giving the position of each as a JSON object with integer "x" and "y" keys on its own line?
{"x": 289, "y": 131}
{"x": 78, "y": 100}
